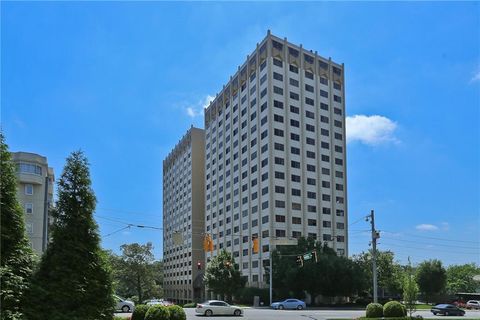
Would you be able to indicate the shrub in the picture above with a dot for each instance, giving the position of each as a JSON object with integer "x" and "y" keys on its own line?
{"x": 177, "y": 313}
{"x": 394, "y": 309}
{"x": 139, "y": 312}
{"x": 245, "y": 295}
{"x": 157, "y": 312}
{"x": 190, "y": 305}
{"x": 374, "y": 310}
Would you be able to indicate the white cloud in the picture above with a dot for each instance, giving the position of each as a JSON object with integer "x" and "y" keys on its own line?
{"x": 476, "y": 77}
{"x": 196, "y": 109}
{"x": 371, "y": 130}
{"x": 426, "y": 227}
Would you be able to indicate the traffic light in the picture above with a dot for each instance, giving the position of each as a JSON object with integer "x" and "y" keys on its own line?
{"x": 255, "y": 245}
{"x": 300, "y": 261}
{"x": 199, "y": 265}
{"x": 207, "y": 243}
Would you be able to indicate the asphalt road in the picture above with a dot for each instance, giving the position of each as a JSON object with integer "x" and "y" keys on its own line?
{"x": 268, "y": 314}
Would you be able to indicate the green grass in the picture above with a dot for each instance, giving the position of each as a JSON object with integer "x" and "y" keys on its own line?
{"x": 423, "y": 307}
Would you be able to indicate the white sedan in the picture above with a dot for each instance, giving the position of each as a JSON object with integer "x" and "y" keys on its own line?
{"x": 216, "y": 307}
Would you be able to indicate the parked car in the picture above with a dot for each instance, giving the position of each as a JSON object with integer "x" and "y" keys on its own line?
{"x": 124, "y": 305}
{"x": 159, "y": 301}
{"x": 217, "y": 307}
{"x": 473, "y": 304}
{"x": 447, "y": 310}
{"x": 289, "y": 304}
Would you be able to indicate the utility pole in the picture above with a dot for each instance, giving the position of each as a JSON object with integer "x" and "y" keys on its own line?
{"x": 375, "y": 236}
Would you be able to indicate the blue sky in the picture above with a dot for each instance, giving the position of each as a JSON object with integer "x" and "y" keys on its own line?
{"x": 123, "y": 81}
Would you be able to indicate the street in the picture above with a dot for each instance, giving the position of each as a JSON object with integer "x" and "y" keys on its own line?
{"x": 269, "y": 314}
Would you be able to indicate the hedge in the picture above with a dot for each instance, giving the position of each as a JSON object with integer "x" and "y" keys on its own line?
{"x": 157, "y": 312}
{"x": 139, "y": 312}
{"x": 394, "y": 309}
{"x": 374, "y": 310}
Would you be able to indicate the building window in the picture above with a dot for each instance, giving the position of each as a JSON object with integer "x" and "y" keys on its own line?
{"x": 29, "y": 208}
{"x": 29, "y": 168}
{"x": 279, "y": 218}
{"x": 277, "y": 76}
{"x": 278, "y": 62}
{"x": 280, "y": 233}
{"x": 29, "y": 189}
{"x": 296, "y": 220}
{"x": 293, "y": 68}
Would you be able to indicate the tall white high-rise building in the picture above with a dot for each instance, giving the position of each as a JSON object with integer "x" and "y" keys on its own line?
{"x": 275, "y": 155}
{"x": 183, "y": 218}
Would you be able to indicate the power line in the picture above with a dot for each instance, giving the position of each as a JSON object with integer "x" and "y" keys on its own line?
{"x": 434, "y": 244}
{"x": 435, "y": 238}
{"x": 429, "y": 249}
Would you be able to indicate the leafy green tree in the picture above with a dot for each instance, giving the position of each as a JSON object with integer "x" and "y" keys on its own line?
{"x": 410, "y": 290}
{"x": 330, "y": 275}
{"x": 431, "y": 278}
{"x": 136, "y": 273}
{"x": 73, "y": 280}
{"x": 389, "y": 272}
{"x": 460, "y": 278}
{"x": 222, "y": 275}
{"x": 16, "y": 258}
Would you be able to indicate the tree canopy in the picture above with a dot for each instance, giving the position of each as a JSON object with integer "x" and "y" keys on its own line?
{"x": 431, "y": 278}
{"x": 460, "y": 278}
{"x": 16, "y": 259}
{"x": 222, "y": 275}
{"x": 329, "y": 276}
{"x": 73, "y": 280}
{"x": 136, "y": 273}
{"x": 389, "y": 272}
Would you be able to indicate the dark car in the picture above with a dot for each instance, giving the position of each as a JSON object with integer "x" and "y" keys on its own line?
{"x": 447, "y": 310}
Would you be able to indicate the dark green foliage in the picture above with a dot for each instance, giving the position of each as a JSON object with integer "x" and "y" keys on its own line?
{"x": 157, "y": 312}
{"x": 16, "y": 255}
{"x": 393, "y": 309}
{"x": 247, "y": 294}
{"x": 73, "y": 280}
{"x": 136, "y": 273}
{"x": 190, "y": 305}
{"x": 460, "y": 278}
{"x": 222, "y": 275}
{"x": 139, "y": 312}
{"x": 431, "y": 278}
{"x": 389, "y": 272}
{"x": 330, "y": 276}
{"x": 374, "y": 310}
{"x": 177, "y": 313}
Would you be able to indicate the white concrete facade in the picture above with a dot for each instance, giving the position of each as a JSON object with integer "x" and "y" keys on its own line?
{"x": 275, "y": 155}
{"x": 183, "y": 218}
{"x": 35, "y": 193}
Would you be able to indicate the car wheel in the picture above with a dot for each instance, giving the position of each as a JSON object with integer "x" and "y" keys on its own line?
{"x": 280, "y": 307}
{"x": 237, "y": 312}
{"x": 299, "y": 307}
{"x": 434, "y": 313}
{"x": 125, "y": 309}
{"x": 208, "y": 313}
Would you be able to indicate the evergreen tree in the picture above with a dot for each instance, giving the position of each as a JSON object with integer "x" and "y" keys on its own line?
{"x": 16, "y": 255}
{"x": 73, "y": 280}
